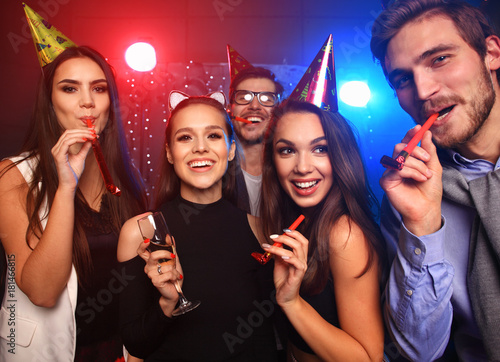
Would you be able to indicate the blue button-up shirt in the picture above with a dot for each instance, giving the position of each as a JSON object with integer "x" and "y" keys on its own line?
{"x": 427, "y": 288}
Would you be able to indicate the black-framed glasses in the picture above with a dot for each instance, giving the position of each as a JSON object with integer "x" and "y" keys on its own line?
{"x": 244, "y": 97}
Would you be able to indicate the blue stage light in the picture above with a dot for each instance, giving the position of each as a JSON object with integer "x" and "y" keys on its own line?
{"x": 355, "y": 93}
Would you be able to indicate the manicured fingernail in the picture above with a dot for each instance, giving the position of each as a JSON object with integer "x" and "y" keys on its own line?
{"x": 265, "y": 246}
{"x": 287, "y": 230}
{"x": 84, "y": 139}
{"x": 180, "y": 276}
{"x": 146, "y": 241}
{"x": 172, "y": 255}
{"x": 284, "y": 257}
{"x": 274, "y": 236}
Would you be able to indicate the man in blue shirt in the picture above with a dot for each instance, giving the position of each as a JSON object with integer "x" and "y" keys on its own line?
{"x": 441, "y": 56}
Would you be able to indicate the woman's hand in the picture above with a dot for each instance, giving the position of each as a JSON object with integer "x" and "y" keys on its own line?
{"x": 70, "y": 153}
{"x": 163, "y": 274}
{"x": 289, "y": 265}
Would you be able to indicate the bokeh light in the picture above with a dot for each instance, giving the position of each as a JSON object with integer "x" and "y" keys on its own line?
{"x": 355, "y": 93}
{"x": 141, "y": 57}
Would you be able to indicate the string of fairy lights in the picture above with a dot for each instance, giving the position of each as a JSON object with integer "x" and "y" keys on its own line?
{"x": 144, "y": 97}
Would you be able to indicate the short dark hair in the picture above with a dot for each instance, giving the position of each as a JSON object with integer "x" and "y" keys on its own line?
{"x": 252, "y": 73}
{"x": 472, "y": 25}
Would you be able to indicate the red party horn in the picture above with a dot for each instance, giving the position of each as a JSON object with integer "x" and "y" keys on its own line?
{"x": 108, "y": 180}
{"x": 399, "y": 162}
{"x": 264, "y": 258}
{"x": 239, "y": 119}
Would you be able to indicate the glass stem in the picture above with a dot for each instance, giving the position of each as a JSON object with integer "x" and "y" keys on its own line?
{"x": 182, "y": 298}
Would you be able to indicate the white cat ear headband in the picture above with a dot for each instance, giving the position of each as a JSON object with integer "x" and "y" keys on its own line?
{"x": 177, "y": 97}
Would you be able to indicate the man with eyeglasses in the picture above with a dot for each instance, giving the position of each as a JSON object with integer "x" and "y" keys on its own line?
{"x": 254, "y": 92}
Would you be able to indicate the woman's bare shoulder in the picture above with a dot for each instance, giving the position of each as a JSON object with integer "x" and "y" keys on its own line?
{"x": 130, "y": 238}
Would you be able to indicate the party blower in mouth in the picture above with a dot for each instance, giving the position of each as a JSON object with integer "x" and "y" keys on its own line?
{"x": 399, "y": 162}
{"x": 264, "y": 258}
{"x": 239, "y": 119}
{"x": 108, "y": 180}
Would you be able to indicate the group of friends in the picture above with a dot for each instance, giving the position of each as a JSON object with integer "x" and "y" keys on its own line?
{"x": 423, "y": 284}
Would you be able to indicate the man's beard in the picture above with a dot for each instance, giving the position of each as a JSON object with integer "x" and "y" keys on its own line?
{"x": 478, "y": 111}
{"x": 250, "y": 141}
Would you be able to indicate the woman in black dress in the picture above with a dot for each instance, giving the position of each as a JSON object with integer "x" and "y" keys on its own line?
{"x": 214, "y": 241}
{"x": 328, "y": 282}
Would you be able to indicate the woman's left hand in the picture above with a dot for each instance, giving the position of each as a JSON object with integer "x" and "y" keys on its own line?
{"x": 289, "y": 265}
{"x": 70, "y": 164}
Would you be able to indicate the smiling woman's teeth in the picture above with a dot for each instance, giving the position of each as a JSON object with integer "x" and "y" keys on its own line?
{"x": 305, "y": 185}
{"x": 201, "y": 164}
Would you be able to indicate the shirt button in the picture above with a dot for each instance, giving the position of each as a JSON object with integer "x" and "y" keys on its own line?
{"x": 409, "y": 292}
{"x": 418, "y": 251}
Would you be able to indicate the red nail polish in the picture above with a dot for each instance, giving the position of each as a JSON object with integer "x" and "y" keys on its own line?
{"x": 84, "y": 139}
{"x": 180, "y": 276}
{"x": 146, "y": 241}
{"x": 172, "y": 255}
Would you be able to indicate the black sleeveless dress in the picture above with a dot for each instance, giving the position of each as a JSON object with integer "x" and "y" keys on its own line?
{"x": 324, "y": 304}
{"x": 97, "y": 318}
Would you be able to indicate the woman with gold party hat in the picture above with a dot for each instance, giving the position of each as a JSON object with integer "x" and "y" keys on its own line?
{"x": 59, "y": 225}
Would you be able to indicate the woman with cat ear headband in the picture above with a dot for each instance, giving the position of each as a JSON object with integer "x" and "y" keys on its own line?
{"x": 213, "y": 242}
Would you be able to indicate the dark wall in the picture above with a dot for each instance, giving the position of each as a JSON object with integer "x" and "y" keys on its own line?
{"x": 263, "y": 31}
{"x": 284, "y": 34}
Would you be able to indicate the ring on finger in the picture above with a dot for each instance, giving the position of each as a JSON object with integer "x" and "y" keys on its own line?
{"x": 159, "y": 268}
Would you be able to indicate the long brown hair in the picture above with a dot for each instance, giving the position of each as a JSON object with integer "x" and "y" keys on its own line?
{"x": 350, "y": 195}
{"x": 44, "y": 132}
{"x": 168, "y": 186}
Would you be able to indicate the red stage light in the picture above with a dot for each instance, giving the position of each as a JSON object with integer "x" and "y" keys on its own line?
{"x": 141, "y": 57}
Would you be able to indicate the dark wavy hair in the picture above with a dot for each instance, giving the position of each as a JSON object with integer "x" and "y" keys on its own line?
{"x": 44, "y": 132}
{"x": 471, "y": 23}
{"x": 168, "y": 186}
{"x": 350, "y": 195}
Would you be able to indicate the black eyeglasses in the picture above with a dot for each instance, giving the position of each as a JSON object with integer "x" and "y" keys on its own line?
{"x": 244, "y": 97}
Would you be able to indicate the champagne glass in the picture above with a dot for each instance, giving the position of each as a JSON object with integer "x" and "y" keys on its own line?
{"x": 154, "y": 228}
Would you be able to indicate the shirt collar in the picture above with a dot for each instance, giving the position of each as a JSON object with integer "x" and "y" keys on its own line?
{"x": 478, "y": 164}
